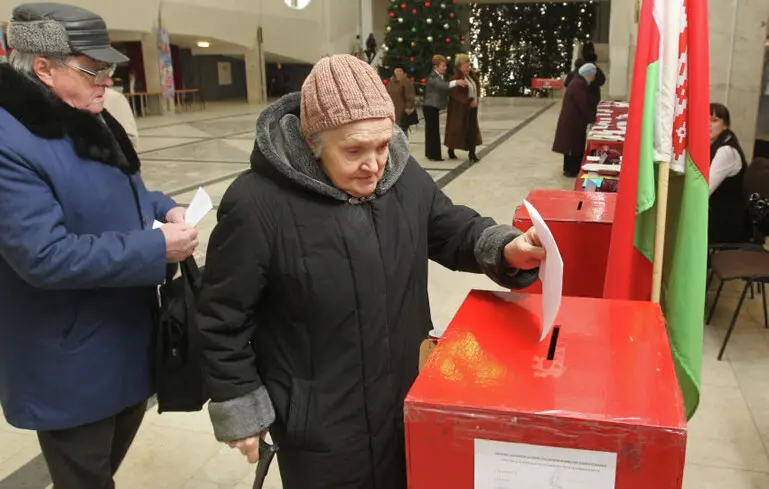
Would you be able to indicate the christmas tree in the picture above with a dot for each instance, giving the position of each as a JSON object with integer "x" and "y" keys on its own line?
{"x": 514, "y": 43}
{"x": 417, "y": 30}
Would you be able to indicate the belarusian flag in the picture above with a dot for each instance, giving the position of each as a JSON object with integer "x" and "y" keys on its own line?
{"x": 668, "y": 122}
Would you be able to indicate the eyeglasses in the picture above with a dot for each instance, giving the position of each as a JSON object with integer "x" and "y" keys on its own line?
{"x": 100, "y": 77}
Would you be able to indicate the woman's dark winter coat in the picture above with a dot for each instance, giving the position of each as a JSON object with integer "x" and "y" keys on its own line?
{"x": 728, "y": 220}
{"x": 79, "y": 262}
{"x": 314, "y": 305}
{"x": 458, "y": 117}
{"x": 576, "y": 115}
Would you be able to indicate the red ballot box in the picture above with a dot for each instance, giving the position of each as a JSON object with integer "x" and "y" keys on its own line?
{"x": 581, "y": 225}
{"x": 599, "y": 408}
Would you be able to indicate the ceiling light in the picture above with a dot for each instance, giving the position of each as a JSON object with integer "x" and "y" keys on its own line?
{"x": 204, "y": 44}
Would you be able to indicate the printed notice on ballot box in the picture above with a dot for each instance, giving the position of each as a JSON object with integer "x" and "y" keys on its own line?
{"x": 502, "y": 465}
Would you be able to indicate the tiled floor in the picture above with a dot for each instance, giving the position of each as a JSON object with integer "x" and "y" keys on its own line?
{"x": 727, "y": 438}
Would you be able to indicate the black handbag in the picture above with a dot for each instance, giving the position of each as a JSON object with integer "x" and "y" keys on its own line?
{"x": 411, "y": 119}
{"x": 180, "y": 376}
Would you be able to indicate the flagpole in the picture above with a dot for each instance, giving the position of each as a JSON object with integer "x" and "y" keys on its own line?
{"x": 663, "y": 183}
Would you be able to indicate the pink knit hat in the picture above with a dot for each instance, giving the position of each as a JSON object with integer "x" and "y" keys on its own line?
{"x": 342, "y": 89}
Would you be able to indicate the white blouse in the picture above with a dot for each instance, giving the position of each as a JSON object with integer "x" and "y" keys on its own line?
{"x": 726, "y": 163}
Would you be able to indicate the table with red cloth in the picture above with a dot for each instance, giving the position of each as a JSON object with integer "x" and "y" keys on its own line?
{"x": 606, "y": 135}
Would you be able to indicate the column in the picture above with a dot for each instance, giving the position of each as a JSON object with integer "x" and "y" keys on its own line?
{"x": 621, "y": 47}
{"x": 255, "y": 75}
{"x": 366, "y": 19}
{"x": 152, "y": 79}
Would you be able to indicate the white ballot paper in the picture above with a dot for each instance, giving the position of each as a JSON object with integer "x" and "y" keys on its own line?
{"x": 200, "y": 206}
{"x": 502, "y": 465}
{"x": 551, "y": 271}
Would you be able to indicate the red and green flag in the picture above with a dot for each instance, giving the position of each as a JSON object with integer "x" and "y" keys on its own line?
{"x": 667, "y": 123}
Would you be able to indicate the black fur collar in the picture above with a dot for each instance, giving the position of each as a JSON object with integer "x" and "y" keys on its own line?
{"x": 44, "y": 115}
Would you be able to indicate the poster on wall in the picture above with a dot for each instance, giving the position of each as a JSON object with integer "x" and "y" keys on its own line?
{"x": 3, "y": 50}
{"x": 166, "y": 65}
{"x": 225, "y": 73}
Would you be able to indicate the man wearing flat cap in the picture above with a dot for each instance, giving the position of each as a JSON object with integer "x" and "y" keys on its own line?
{"x": 79, "y": 260}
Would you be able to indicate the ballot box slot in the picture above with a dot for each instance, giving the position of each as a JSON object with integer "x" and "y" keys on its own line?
{"x": 579, "y": 206}
{"x": 553, "y": 342}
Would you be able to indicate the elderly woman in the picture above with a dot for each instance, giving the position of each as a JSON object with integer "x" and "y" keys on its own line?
{"x": 462, "y": 130}
{"x": 314, "y": 300}
{"x": 401, "y": 91}
{"x": 576, "y": 114}
{"x": 79, "y": 260}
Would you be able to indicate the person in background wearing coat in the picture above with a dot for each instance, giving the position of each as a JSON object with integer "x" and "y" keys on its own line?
{"x": 436, "y": 100}
{"x": 462, "y": 130}
{"x": 590, "y": 56}
{"x": 314, "y": 299}
{"x": 370, "y": 48}
{"x": 401, "y": 91}
{"x": 118, "y": 107}
{"x": 576, "y": 115}
{"x": 575, "y": 72}
{"x": 79, "y": 260}
{"x": 727, "y": 217}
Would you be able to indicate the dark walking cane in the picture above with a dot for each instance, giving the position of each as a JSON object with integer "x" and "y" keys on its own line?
{"x": 266, "y": 454}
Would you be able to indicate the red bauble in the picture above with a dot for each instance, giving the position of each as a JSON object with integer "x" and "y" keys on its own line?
{"x": 462, "y": 38}
{"x": 386, "y": 81}
{"x": 423, "y": 80}
{"x": 411, "y": 59}
{"x": 414, "y": 11}
{"x": 451, "y": 15}
{"x": 427, "y": 4}
{"x": 403, "y": 6}
{"x": 392, "y": 14}
{"x": 448, "y": 40}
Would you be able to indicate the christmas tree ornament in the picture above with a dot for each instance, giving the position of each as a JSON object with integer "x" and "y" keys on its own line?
{"x": 413, "y": 44}
{"x": 448, "y": 40}
{"x": 400, "y": 39}
{"x": 429, "y": 38}
{"x": 413, "y": 29}
{"x": 451, "y": 15}
{"x": 443, "y": 5}
{"x": 427, "y": 4}
{"x": 388, "y": 28}
{"x": 429, "y": 20}
{"x": 403, "y": 6}
{"x": 411, "y": 59}
{"x": 446, "y": 26}
{"x": 392, "y": 14}
{"x": 423, "y": 81}
{"x": 386, "y": 81}
{"x": 400, "y": 20}
{"x": 414, "y": 11}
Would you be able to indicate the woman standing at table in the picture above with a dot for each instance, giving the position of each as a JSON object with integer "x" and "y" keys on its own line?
{"x": 576, "y": 115}
{"x": 727, "y": 218}
{"x": 462, "y": 131}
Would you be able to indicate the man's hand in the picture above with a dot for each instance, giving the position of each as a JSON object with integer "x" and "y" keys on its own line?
{"x": 249, "y": 447}
{"x": 181, "y": 241}
{"x": 177, "y": 215}
{"x": 525, "y": 252}
{"x": 461, "y": 83}
{"x": 409, "y": 111}
{"x": 473, "y": 104}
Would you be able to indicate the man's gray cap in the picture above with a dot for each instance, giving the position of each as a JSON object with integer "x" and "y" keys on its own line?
{"x": 55, "y": 29}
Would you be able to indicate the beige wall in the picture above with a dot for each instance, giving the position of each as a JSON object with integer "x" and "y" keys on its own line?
{"x": 325, "y": 26}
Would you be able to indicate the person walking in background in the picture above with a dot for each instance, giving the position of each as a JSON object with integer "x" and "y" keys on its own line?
{"x": 436, "y": 100}
{"x": 401, "y": 91}
{"x": 80, "y": 261}
{"x": 370, "y": 47}
{"x": 462, "y": 130}
{"x": 576, "y": 115}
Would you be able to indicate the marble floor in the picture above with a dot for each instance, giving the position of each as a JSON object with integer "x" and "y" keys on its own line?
{"x": 727, "y": 439}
